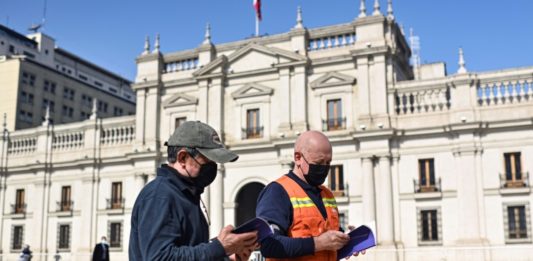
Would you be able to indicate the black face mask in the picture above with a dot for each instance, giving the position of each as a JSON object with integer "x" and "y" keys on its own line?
{"x": 317, "y": 174}
{"x": 206, "y": 176}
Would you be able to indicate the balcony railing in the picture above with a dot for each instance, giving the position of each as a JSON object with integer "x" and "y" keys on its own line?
{"x": 182, "y": 65}
{"x": 518, "y": 180}
{"x": 331, "y": 41}
{"x": 115, "y": 203}
{"x": 18, "y": 208}
{"x": 252, "y": 132}
{"x": 63, "y": 206}
{"x": 334, "y": 124}
{"x": 424, "y": 188}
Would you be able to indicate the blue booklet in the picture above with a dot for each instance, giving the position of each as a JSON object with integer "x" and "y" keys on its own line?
{"x": 361, "y": 238}
{"x": 264, "y": 230}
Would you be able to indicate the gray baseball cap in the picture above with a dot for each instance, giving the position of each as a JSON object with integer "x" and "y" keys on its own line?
{"x": 198, "y": 135}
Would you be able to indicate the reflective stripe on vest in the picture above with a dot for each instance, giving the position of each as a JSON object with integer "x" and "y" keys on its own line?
{"x": 306, "y": 202}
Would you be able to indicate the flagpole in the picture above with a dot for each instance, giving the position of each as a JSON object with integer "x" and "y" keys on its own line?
{"x": 256, "y": 26}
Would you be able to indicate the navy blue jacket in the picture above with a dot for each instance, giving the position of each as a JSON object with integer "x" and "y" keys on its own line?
{"x": 167, "y": 222}
{"x": 275, "y": 206}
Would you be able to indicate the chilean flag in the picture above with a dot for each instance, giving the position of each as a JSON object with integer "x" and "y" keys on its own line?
{"x": 257, "y": 7}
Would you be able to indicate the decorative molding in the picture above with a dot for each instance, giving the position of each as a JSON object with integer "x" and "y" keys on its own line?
{"x": 250, "y": 47}
{"x": 332, "y": 79}
{"x": 272, "y": 51}
{"x": 179, "y": 99}
{"x": 252, "y": 90}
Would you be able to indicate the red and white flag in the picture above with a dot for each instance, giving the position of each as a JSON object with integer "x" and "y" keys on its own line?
{"x": 257, "y": 7}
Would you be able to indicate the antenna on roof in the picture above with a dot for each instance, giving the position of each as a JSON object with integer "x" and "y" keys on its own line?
{"x": 36, "y": 27}
{"x": 414, "y": 42}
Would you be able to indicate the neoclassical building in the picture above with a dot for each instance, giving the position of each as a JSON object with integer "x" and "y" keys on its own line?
{"x": 440, "y": 162}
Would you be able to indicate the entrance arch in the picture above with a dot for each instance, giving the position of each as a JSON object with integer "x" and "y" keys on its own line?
{"x": 246, "y": 202}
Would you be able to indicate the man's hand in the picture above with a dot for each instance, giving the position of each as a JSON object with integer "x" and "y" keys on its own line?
{"x": 330, "y": 240}
{"x": 351, "y": 228}
{"x": 244, "y": 256}
{"x": 237, "y": 243}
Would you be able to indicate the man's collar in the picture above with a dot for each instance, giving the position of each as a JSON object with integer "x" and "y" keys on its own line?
{"x": 302, "y": 183}
{"x": 181, "y": 182}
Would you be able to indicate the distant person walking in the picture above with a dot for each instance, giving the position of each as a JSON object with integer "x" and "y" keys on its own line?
{"x": 101, "y": 251}
{"x": 25, "y": 255}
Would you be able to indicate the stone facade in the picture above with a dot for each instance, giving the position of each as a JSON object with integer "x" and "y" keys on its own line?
{"x": 439, "y": 163}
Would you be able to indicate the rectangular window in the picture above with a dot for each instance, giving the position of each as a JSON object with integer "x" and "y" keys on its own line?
{"x": 336, "y": 179}
{"x": 48, "y": 104}
{"x": 334, "y": 120}
{"x": 517, "y": 224}
{"x": 11, "y": 49}
{"x": 343, "y": 220}
{"x": 28, "y": 78}
{"x": 117, "y": 111}
{"x": 87, "y": 100}
{"x": 102, "y": 106}
{"x": 179, "y": 121}
{"x": 513, "y": 170}
{"x": 83, "y": 77}
{"x": 49, "y": 86}
{"x": 68, "y": 93}
{"x": 97, "y": 83}
{"x": 26, "y": 97}
{"x": 116, "y": 195}
{"x": 429, "y": 225}
{"x": 64, "y": 237}
{"x": 17, "y": 237}
{"x": 28, "y": 54}
{"x": 253, "y": 128}
{"x": 20, "y": 204}
{"x": 426, "y": 175}
{"x": 115, "y": 234}
{"x": 66, "y": 203}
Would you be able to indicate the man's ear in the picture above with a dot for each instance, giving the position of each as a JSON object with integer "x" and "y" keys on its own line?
{"x": 297, "y": 157}
{"x": 182, "y": 156}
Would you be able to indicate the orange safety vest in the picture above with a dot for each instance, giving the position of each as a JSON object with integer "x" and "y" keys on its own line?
{"x": 307, "y": 221}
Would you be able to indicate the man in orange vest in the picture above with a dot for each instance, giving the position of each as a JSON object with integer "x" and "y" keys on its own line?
{"x": 302, "y": 212}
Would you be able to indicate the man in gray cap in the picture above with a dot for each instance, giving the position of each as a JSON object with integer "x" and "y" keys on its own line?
{"x": 167, "y": 222}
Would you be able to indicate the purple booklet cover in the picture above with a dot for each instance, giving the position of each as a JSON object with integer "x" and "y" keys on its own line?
{"x": 361, "y": 238}
{"x": 263, "y": 228}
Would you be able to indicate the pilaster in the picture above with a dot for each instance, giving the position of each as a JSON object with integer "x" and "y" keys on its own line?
{"x": 369, "y": 201}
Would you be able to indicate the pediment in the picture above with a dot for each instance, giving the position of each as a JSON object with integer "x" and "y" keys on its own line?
{"x": 252, "y": 90}
{"x": 212, "y": 67}
{"x": 332, "y": 79}
{"x": 179, "y": 99}
{"x": 250, "y": 57}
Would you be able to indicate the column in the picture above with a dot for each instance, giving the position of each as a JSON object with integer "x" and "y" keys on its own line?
{"x": 396, "y": 198}
{"x": 140, "y": 116}
{"x": 216, "y": 200}
{"x": 85, "y": 204}
{"x": 467, "y": 196}
{"x": 285, "y": 100}
{"x": 369, "y": 202}
{"x": 299, "y": 99}
{"x": 38, "y": 208}
{"x": 363, "y": 86}
{"x": 215, "y": 110}
{"x": 3, "y": 187}
{"x": 385, "y": 221}
{"x": 152, "y": 116}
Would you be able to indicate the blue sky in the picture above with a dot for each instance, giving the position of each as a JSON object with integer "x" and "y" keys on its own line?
{"x": 494, "y": 34}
